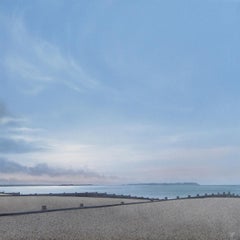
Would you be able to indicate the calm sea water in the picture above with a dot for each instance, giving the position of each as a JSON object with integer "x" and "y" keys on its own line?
{"x": 156, "y": 191}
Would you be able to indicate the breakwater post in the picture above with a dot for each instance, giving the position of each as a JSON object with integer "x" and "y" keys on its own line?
{"x": 44, "y": 207}
{"x": 81, "y": 205}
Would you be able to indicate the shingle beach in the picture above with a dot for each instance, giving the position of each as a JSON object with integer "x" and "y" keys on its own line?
{"x": 190, "y": 219}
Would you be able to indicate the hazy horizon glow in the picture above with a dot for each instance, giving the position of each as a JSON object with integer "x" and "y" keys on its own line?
{"x": 120, "y": 91}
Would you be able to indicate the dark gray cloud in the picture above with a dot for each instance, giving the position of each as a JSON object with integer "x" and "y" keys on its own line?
{"x": 3, "y": 110}
{"x": 6, "y": 118}
{"x": 9, "y": 145}
{"x": 43, "y": 168}
{"x": 10, "y": 167}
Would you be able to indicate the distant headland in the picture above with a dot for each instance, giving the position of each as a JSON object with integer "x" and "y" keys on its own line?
{"x": 176, "y": 183}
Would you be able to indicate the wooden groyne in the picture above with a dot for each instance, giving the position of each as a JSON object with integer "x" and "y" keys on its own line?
{"x": 44, "y": 208}
{"x": 108, "y": 195}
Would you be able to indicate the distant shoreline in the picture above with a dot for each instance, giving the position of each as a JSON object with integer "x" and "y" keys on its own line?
{"x": 177, "y": 183}
{"x": 40, "y": 185}
{"x": 71, "y": 184}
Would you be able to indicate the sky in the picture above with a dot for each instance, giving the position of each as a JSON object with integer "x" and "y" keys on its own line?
{"x": 110, "y": 91}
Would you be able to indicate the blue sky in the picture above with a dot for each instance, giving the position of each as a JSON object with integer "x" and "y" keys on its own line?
{"x": 120, "y": 91}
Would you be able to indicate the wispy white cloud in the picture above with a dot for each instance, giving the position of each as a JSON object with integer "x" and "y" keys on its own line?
{"x": 37, "y": 63}
{"x": 22, "y": 129}
{"x": 9, "y": 120}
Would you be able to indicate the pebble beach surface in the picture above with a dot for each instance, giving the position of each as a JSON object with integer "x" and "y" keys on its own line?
{"x": 200, "y": 219}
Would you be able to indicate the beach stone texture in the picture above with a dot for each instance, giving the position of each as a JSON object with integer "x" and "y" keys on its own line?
{"x": 9, "y": 204}
{"x": 191, "y": 219}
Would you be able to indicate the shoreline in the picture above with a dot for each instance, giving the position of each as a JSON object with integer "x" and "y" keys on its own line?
{"x": 109, "y": 195}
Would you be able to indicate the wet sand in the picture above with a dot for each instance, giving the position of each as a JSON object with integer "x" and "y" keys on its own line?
{"x": 200, "y": 219}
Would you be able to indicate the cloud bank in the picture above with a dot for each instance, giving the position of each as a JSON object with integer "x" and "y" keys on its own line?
{"x": 14, "y": 172}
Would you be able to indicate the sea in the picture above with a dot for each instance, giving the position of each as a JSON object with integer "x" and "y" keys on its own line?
{"x": 139, "y": 190}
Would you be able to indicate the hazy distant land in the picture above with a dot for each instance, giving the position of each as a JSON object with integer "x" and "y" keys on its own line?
{"x": 176, "y": 183}
{"x": 72, "y": 184}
